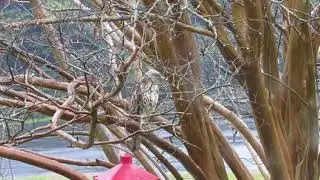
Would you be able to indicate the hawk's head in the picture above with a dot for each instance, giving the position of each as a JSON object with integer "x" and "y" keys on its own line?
{"x": 154, "y": 75}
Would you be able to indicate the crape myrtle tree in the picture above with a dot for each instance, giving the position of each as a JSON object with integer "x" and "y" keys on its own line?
{"x": 80, "y": 61}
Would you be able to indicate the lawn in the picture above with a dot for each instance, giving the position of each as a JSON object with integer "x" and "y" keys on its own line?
{"x": 38, "y": 120}
{"x": 45, "y": 177}
{"x": 58, "y": 177}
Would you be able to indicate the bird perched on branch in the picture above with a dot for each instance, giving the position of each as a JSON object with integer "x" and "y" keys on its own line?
{"x": 145, "y": 101}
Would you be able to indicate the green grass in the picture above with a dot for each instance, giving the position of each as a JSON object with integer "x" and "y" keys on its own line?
{"x": 185, "y": 175}
{"x": 257, "y": 176}
{"x": 39, "y": 120}
{"x": 43, "y": 177}
{"x": 36, "y": 120}
{"x": 49, "y": 176}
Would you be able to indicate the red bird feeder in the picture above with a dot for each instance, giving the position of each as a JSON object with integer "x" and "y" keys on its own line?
{"x": 126, "y": 171}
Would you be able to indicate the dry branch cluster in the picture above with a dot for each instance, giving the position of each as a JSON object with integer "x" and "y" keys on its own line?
{"x": 80, "y": 63}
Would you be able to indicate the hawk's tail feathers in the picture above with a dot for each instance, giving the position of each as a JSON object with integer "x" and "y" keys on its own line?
{"x": 136, "y": 143}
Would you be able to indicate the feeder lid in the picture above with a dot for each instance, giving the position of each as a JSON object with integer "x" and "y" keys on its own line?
{"x": 126, "y": 171}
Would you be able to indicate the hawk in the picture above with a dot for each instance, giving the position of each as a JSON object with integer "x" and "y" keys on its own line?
{"x": 145, "y": 101}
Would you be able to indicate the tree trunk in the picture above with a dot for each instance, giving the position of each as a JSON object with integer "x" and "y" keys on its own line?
{"x": 179, "y": 55}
